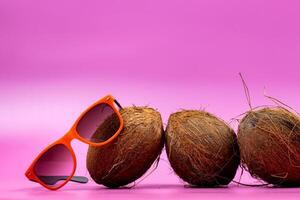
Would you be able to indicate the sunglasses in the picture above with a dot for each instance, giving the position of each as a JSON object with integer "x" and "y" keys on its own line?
{"x": 56, "y": 165}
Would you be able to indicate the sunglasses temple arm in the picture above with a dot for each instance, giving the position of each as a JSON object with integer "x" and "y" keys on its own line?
{"x": 79, "y": 179}
{"x": 118, "y": 104}
{"x": 51, "y": 180}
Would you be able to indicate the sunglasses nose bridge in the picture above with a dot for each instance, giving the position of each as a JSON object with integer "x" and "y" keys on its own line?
{"x": 68, "y": 137}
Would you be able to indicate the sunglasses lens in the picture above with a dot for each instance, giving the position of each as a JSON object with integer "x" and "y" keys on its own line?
{"x": 55, "y": 166}
{"x": 99, "y": 124}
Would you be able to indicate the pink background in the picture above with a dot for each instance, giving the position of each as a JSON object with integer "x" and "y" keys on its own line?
{"x": 57, "y": 57}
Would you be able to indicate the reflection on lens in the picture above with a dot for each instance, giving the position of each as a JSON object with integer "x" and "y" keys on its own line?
{"x": 99, "y": 124}
{"x": 54, "y": 166}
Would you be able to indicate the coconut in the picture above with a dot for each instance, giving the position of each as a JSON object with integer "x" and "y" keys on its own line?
{"x": 269, "y": 141}
{"x": 133, "y": 152}
{"x": 201, "y": 148}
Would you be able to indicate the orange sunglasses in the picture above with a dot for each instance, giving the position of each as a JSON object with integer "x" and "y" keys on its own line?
{"x": 56, "y": 165}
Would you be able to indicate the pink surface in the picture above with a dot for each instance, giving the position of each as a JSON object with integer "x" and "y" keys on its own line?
{"x": 57, "y": 57}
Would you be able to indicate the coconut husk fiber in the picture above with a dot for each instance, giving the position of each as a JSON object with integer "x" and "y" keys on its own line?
{"x": 133, "y": 152}
{"x": 269, "y": 141}
{"x": 201, "y": 148}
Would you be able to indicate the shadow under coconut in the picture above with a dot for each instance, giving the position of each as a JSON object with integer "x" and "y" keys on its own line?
{"x": 141, "y": 187}
{"x": 284, "y": 186}
{"x": 137, "y": 187}
{"x": 206, "y": 187}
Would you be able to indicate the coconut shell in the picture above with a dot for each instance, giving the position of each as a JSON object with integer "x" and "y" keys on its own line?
{"x": 201, "y": 148}
{"x": 133, "y": 152}
{"x": 269, "y": 141}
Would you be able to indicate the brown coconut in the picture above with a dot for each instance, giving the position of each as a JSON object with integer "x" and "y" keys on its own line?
{"x": 269, "y": 141}
{"x": 201, "y": 148}
{"x": 133, "y": 152}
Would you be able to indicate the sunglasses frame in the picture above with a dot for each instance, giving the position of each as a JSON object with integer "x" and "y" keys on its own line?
{"x": 73, "y": 134}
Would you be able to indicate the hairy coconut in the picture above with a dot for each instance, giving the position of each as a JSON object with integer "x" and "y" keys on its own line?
{"x": 133, "y": 152}
{"x": 269, "y": 141}
{"x": 201, "y": 148}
